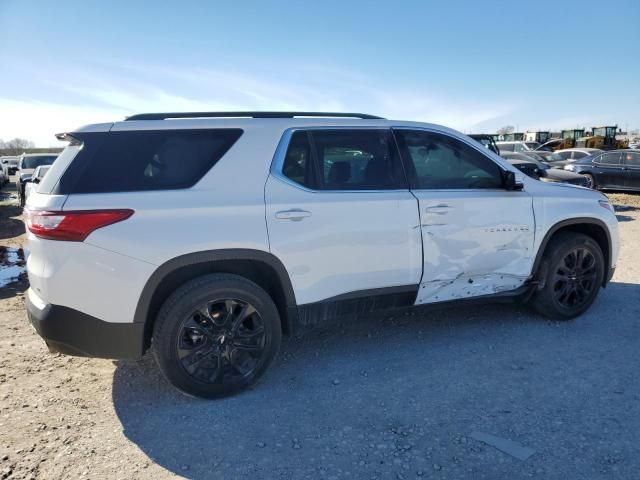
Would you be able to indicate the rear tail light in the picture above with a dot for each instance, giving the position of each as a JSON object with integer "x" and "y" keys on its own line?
{"x": 73, "y": 226}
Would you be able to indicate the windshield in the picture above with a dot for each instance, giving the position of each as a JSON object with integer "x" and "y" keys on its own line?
{"x": 34, "y": 162}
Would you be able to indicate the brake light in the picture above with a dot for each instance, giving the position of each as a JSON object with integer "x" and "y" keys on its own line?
{"x": 72, "y": 226}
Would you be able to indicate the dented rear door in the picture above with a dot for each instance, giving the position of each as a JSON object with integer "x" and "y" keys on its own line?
{"x": 477, "y": 236}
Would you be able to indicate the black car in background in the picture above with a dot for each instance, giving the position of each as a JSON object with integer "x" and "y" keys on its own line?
{"x": 542, "y": 171}
{"x": 615, "y": 170}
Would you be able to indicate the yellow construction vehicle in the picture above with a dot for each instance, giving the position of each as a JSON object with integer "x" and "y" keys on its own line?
{"x": 603, "y": 138}
{"x": 568, "y": 139}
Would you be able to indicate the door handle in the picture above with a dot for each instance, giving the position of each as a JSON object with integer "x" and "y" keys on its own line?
{"x": 440, "y": 209}
{"x": 295, "y": 215}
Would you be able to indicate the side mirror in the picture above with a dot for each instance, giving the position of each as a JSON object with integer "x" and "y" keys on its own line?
{"x": 509, "y": 181}
{"x": 35, "y": 180}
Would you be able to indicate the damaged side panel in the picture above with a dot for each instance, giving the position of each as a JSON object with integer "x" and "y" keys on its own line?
{"x": 470, "y": 249}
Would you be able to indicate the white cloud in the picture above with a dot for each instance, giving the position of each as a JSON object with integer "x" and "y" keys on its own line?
{"x": 127, "y": 89}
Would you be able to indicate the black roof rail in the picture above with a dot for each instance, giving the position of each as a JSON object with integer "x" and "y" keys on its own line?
{"x": 164, "y": 116}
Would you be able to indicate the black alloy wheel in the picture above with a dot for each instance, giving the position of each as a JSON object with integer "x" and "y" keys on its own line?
{"x": 220, "y": 340}
{"x": 216, "y": 335}
{"x": 575, "y": 278}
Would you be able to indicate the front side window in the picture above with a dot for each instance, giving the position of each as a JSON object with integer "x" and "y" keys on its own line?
{"x": 443, "y": 162}
{"x": 610, "y": 158}
{"x": 153, "y": 159}
{"x": 565, "y": 155}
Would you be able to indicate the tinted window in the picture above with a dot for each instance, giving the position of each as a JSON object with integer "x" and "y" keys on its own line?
{"x": 565, "y": 155}
{"x": 632, "y": 159}
{"x": 506, "y": 147}
{"x": 356, "y": 160}
{"x": 153, "y": 160}
{"x": 297, "y": 163}
{"x": 34, "y": 162}
{"x": 443, "y": 162}
{"x": 577, "y": 155}
{"x": 610, "y": 158}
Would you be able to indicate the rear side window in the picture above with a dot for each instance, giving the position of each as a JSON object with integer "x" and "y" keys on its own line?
{"x": 153, "y": 160}
{"x": 357, "y": 160}
{"x": 297, "y": 162}
{"x": 344, "y": 159}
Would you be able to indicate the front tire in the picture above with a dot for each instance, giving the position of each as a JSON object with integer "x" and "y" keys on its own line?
{"x": 571, "y": 273}
{"x": 216, "y": 335}
{"x": 591, "y": 181}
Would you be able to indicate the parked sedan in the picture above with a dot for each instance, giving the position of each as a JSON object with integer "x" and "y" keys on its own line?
{"x": 573, "y": 154}
{"x": 616, "y": 169}
{"x": 543, "y": 171}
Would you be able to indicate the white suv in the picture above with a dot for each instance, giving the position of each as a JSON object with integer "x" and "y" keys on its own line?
{"x": 205, "y": 236}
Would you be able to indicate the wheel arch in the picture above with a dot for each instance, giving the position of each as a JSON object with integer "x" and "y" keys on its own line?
{"x": 261, "y": 267}
{"x": 592, "y": 227}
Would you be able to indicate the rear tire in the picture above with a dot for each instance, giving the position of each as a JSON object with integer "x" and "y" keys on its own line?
{"x": 571, "y": 272}
{"x": 216, "y": 335}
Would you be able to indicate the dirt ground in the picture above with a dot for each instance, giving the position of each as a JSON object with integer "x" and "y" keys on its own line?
{"x": 394, "y": 397}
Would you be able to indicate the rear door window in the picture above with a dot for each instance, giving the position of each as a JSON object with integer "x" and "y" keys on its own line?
{"x": 344, "y": 159}
{"x": 357, "y": 160}
{"x": 152, "y": 160}
{"x": 632, "y": 159}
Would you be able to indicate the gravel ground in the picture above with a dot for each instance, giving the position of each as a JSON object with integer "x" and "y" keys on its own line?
{"x": 377, "y": 397}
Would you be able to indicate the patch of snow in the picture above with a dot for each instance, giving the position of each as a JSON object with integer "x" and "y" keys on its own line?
{"x": 11, "y": 267}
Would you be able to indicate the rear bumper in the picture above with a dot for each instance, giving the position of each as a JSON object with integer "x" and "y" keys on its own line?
{"x": 71, "y": 332}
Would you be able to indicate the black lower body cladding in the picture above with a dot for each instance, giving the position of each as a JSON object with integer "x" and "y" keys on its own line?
{"x": 71, "y": 332}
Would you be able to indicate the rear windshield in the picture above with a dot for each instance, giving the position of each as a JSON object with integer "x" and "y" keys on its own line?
{"x": 148, "y": 160}
{"x": 34, "y": 162}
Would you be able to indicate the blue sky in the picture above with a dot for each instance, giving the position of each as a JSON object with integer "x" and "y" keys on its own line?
{"x": 471, "y": 65}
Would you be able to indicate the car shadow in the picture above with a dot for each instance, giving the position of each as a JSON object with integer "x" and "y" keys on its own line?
{"x": 335, "y": 392}
{"x": 624, "y": 218}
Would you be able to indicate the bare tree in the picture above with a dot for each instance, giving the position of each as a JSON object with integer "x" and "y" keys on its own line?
{"x": 506, "y": 129}
{"x": 16, "y": 146}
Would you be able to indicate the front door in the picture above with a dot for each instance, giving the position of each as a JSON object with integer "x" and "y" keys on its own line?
{"x": 610, "y": 170}
{"x": 340, "y": 215}
{"x": 631, "y": 161}
{"x": 477, "y": 237}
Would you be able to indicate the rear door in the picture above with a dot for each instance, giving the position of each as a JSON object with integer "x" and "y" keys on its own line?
{"x": 477, "y": 236}
{"x": 631, "y": 163}
{"x": 609, "y": 170}
{"x": 340, "y": 215}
